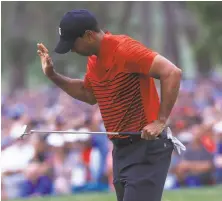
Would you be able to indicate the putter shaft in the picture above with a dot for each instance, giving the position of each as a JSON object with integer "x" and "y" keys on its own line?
{"x": 79, "y": 132}
{"x": 25, "y": 132}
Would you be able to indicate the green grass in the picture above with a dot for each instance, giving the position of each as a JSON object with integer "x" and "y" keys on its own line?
{"x": 197, "y": 194}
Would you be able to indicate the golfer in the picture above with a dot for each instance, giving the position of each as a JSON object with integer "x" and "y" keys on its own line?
{"x": 120, "y": 78}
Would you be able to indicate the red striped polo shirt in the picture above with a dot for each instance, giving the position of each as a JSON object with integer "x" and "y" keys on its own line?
{"x": 118, "y": 77}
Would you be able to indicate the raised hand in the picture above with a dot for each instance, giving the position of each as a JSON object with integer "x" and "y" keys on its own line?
{"x": 47, "y": 64}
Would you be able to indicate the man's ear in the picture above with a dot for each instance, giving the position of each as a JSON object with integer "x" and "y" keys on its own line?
{"x": 89, "y": 36}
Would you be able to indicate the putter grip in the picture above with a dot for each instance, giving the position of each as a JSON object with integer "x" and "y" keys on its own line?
{"x": 130, "y": 133}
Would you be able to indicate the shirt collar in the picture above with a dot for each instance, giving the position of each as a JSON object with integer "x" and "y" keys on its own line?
{"x": 108, "y": 47}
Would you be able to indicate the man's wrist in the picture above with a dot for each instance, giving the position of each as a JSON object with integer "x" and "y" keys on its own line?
{"x": 52, "y": 74}
{"x": 162, "y": 119}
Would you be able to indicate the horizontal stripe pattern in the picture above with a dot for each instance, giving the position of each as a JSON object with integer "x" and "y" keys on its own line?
{"x": 120, "y": 103}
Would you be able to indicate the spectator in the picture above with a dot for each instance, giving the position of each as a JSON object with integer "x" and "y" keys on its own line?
{"x": 61, "y": 173}
{"x": 15, "y": 159}
{"x": 38, "y": 180}
{"x": 196, "y": 167}
{"x": 218, "y": 155}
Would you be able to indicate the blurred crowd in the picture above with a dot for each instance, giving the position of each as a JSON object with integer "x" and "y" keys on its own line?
{"x": 51, "y": 163}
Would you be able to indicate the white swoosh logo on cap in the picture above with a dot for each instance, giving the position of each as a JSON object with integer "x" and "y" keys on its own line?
{"x": 59, "y": 31}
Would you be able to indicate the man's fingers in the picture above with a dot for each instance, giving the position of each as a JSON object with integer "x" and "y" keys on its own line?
{"x": 39, "y": 53}
{"x": 43, "y": 53}
{"x": 154, "y": 134}
{"x": 42, "y": 48}
{"x": 145, "y": 135}
{"x": 148, "y": 135}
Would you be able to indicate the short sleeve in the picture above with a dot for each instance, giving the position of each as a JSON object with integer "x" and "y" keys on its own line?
{"x": 135, "y": 57}
{"x": 90, "y": 65}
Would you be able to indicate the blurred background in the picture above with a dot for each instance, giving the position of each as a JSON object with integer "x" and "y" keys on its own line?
{"x": 187, "y": 33}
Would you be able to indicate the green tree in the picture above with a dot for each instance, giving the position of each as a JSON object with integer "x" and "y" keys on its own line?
{"x": 210, "y": 15}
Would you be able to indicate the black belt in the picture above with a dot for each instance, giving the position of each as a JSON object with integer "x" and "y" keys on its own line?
{"x": 131, "y": 139}
{"x": 126, "y": 141}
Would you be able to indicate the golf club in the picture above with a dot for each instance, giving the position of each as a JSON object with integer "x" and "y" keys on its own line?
{"x": 25, "y": 132}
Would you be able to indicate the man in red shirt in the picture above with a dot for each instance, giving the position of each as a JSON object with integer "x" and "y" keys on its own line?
{"x": 120, "y": 78}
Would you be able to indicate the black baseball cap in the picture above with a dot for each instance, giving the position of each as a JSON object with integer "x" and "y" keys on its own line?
{"x": 73, "y": 25}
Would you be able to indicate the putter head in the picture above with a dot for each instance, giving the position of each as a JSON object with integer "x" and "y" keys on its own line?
{"x": 24, "y": 131}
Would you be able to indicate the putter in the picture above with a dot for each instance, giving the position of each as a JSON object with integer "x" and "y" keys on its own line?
{"x": 25, "y": 132}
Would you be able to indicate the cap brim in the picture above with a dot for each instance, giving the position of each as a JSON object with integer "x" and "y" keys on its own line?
{"x": 63, "y": 46}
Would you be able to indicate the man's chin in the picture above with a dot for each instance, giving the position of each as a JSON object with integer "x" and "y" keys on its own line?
{"x": 90, "y": 54}
{"x": 85, "y": 55}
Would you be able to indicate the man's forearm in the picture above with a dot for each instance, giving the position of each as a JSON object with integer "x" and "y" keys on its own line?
{"x": 170, "y": 86}
{"x": 73, "y": 87}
